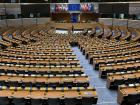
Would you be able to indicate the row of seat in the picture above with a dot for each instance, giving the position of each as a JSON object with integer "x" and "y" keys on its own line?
{"x": 111, "y": 57}
{"x": 129, "y": 94}
{"x": 117, "y": 59}
{"x": 121, "y": 78}
{"x": 45, "y": 70}
{"x": 42, "y": 70}
{"x": 48, "y": 96}
{"x": 128, "y": 66}
{"x": 26, "y": 81}
{"x": 40, "y": 62}
{"x": 116, "y": 56}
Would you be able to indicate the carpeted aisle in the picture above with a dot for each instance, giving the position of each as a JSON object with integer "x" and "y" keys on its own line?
{"x": 105, "y": 96}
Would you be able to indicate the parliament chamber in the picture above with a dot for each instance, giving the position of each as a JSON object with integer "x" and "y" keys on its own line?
{"x": 69, "y": 53}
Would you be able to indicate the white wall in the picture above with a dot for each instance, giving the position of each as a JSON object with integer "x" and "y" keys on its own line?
{"x": 24, "y": 21}
{"x": 134, "y": 8}
{"x": 13, "y": 8}
{"x": 134, "y": 24}
{"x": 29, "y": 21}
{"x": 121, "y": 22}
{"x": 14, "y": 22}
{"x": 74, "y": 1}
{"x": 32, "y": 21}
{"x": 106, "y": 21}
{"x": 110, "y": 21}
{"x": 43, "y": 20}
{"x": 2, "y": 23}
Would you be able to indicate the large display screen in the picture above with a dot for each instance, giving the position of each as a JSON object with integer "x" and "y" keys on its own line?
{"x": 84, "y": 7}
{"x": 74, "y": 7}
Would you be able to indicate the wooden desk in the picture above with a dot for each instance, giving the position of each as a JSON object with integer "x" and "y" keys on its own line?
{"x": 6, "y": 93}
{"x": 71, "y": 94}
{"x": 21, "y": 94}
{"x": 38, "y": 95}
{"x": 88, "y": 93}
{"x": 54, "y": 94}
{"x": 125, "y": 91}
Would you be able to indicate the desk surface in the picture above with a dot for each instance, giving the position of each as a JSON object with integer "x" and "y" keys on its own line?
{"x": 88, "y": 93}
{"x": 5, "y": 93}
{"x": 128, "y": 91}
{"x": 21, "y": 94}
{"x": 71, "y": 94}
{"x": 54, "y": 94}
{"x": 38, "y": 94}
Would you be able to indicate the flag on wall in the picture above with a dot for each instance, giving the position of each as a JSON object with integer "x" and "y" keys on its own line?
{"x": 87, "y": 7}
{"x": 61, "y": 7}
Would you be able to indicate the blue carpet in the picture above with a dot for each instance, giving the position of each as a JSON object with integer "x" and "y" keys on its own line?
{"x": 105, "y": 96}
